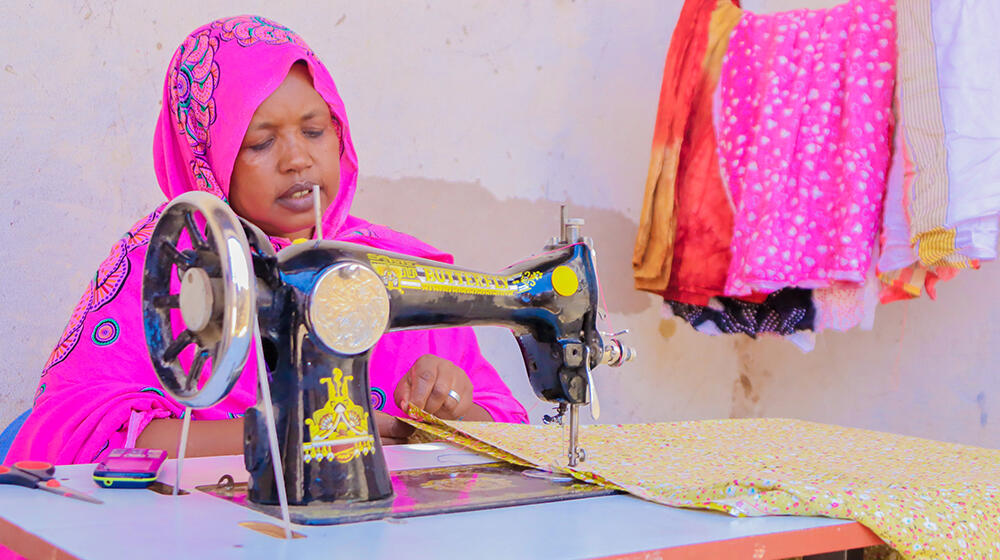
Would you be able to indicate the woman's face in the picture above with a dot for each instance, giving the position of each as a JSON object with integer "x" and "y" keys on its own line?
{"x": 290, "y": 145}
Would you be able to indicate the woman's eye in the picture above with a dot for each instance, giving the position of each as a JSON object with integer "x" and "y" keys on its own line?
{"x": 313, "y": 132}
{"x": 261, "y": 146}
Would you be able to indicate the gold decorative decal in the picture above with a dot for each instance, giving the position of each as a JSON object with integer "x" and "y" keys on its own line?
{"x": 528, "y": 279}
{"x": 402, "y": 274}
{"x": 339, "y": 430}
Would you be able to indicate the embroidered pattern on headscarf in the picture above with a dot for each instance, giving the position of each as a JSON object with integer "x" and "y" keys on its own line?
{"x": 195, "y": 75}
{"x": 152, "y": 390}
{"x": 193, "y": 78}
{"x": 247, "y": 30}
{"x": 107, "y": 283}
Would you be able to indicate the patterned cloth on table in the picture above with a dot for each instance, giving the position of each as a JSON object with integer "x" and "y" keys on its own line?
{"x": 803, "y": 133}
{"x": 927, "y": 499}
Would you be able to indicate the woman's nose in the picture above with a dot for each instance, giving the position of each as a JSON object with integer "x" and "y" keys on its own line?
{"x": 295, "y": 156}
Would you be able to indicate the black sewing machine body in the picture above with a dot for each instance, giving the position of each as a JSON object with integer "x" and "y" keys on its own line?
{"x": 320, "y": 307}
{"x": 556, "y": 334}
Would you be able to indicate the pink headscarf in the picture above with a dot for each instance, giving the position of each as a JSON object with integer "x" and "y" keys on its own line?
{"x": 234, "y": 64}
{"x": 98, "y": 390}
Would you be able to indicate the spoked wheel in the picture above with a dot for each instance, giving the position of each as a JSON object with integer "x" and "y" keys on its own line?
{"x": 216, "y": 299}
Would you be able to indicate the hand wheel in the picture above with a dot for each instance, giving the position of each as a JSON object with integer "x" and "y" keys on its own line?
{"x": 216, "y": 299}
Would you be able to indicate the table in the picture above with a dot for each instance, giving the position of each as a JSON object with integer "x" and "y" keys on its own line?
{"x": 141, "y": 523}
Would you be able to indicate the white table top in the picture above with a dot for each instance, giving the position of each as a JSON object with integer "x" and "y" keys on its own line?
{"x": 131, "y": 523}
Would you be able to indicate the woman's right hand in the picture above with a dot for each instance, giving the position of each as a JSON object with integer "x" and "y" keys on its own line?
{"x": 392, "y": 430}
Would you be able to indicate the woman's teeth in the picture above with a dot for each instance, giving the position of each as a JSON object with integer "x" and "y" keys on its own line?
{"x": 301, "y": 194}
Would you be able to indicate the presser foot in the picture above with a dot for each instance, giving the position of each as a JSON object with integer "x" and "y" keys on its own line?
{"x": 556, "y": 418}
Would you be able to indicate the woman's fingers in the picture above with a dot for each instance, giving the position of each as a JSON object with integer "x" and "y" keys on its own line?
{"x": 452, "y": 393}
{"x": 454, "y": 403}
{"x": 438, "y": 393}
{"x": 390, "y": 429}
{"x": 421, "y": 380}
{"x": 437, "y": 386}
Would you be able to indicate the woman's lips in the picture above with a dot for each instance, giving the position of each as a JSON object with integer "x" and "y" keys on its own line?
{"x": 298, "y": 197}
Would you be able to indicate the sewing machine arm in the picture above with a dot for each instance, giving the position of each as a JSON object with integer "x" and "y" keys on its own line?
{"x": 556, "y": 332}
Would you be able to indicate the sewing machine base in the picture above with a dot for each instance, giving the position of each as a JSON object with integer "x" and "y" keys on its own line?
{"x": 430, "y": 491}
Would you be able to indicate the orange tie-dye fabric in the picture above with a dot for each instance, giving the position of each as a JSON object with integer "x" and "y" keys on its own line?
{"x": 684, "y": 200}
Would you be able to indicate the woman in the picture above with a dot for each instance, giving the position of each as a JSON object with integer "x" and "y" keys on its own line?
{"x": 251, "y": 116}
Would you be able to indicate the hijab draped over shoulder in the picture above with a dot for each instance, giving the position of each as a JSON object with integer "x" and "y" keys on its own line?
{"x": 98, "y": 390}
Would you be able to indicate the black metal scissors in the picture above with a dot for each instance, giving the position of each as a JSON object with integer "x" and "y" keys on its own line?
{"x": 39, "y": 474}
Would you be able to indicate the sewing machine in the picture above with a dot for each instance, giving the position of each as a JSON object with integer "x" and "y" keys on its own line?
{"x": 210, "y": 279}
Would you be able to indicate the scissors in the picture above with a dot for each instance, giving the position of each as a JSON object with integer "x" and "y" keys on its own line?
{"x": 39, "y": 474}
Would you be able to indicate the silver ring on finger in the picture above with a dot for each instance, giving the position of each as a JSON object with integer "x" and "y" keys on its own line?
{"x": 454, "y": 394}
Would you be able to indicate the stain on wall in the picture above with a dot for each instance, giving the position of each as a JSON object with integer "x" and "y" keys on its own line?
{"x": 751, "y": 381}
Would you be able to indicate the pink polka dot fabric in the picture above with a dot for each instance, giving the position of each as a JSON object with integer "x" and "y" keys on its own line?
{"x": 804, "y": 121}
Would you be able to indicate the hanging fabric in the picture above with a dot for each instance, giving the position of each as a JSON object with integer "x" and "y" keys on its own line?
{"x": 684, "y": 200}
{"x": 804, "y": 123}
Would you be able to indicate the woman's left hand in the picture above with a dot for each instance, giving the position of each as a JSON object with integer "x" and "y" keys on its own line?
{"x": 439, "y": 387}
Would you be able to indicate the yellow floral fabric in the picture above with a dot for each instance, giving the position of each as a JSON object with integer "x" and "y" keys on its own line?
{"x": 926, "y": 499}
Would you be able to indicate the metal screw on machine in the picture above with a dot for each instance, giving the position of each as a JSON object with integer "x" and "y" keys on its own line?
{"x": 572, "y": 231}
{"x": 569, "y": 228}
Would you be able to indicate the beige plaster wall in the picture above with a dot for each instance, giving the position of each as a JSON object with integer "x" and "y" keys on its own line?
{"x": 473, "y": 121}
